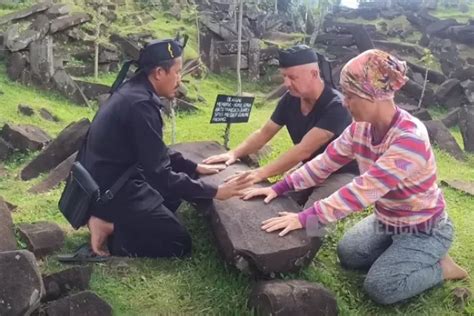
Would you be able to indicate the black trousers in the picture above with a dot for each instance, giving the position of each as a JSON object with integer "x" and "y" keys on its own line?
{"x": 155, "y": 233}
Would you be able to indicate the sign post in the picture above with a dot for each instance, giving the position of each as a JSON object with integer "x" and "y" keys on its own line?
{"x": 231, "y": 109}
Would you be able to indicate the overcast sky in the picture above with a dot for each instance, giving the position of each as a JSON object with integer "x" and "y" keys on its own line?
{"x": 349, "y": 3}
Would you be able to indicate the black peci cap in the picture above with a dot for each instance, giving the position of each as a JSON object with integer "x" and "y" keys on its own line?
{"x": 297, "y": 55}
{"x": 158, "y": 51}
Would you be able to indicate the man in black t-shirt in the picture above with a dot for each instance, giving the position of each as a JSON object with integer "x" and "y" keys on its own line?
{"x": 314, "y": 116}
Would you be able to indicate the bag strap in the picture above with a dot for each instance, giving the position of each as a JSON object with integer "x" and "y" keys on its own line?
{"x": 110, "y": 193}
{"x": 325, "y": 68}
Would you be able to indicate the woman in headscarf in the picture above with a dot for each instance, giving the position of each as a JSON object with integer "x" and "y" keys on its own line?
{"x": 404, "y": 244}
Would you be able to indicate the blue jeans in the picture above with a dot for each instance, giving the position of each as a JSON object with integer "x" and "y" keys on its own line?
{"x": 400, "y": 265}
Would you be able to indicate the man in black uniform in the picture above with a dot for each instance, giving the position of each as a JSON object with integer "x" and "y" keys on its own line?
{"x": 140, "y": 220}
{"x": 314, "y": 116}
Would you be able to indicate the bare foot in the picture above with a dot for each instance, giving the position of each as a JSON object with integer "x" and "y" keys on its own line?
{"x": 452, "y": 271}
{"x": 100, "y": 230}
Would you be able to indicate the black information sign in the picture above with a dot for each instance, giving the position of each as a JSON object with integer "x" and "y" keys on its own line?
{"x": 232, "y": 109}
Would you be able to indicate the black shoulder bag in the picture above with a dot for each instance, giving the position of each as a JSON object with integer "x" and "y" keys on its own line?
{"x": 81, "y": 190}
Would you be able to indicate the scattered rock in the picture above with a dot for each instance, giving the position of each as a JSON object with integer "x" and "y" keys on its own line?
{"x": 25, "y": 137}
{"x": 22, "y": 40}
{"x": 42, "y": 238}
{"x": 58, "y": 9}
{"x": 452, "y": 118}
{"x": 68, "y": 87}
{"x": 11, "y": 207}
{"x": 40, "y": 7}
{"x": 293, "y": 297}
{"x": 6, "y": 149}
{"x": 16, "y": 66}
{"x": 451, "y": 94}
{"x": 438, "y": 26}
{"x": 64, "y": 22}
{"x": 130, "y": 48}
{"x": 423, "y": 115}
{"x": 464, "y": 186}
{"x": 362, "y": 38}
{"x": 41, "y": 25}
{"x": 42, "y": 61}
{"x": 238, "y": 234}
{"x": 55, "y": 177}
{"x": 7, "y": 235}
{"x": 418, "y": 78}
{"x": 25, "y": 109}
{"x": 44, "y": 113}
{"x": 22, "y": 286}
{"x": 461, "y": 296}
{"x": 83, "y": 303}
{"x": 92, "y": 90}
{"x": 101, "y": 99}
{"x": 68, "y": 141}
{"x": 466, "y": 125}
{"x": 441, "y": 136}
{"x": 61, "y": 283}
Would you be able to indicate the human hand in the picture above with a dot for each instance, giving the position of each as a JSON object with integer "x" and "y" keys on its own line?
{"x": 268, "y": 192}
{"x": 253, "y": 175}
{"x": 287, "y": 221}
{"x": 227, "y": 158}
{"x": 204, "y": 169}
{"x": 232, "y": 188}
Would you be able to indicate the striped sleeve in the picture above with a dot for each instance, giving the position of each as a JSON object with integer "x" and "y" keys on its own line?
{"x": 337, "y": 154}
{"x": 405, "y": 156}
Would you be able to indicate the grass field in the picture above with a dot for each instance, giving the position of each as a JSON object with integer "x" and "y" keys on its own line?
{"x": 204, "y": 284}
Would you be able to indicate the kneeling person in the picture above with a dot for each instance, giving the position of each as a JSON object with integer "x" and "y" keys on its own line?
{"x": 127, "y": 130}
{"x": 314, "y": 116}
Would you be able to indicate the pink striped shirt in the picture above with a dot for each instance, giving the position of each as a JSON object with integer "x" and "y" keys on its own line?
{"x": 398, "y": 175}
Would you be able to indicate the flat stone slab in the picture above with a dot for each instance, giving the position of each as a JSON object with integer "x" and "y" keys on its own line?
{"x": 7, "y": 235}
{"x": 80, "y": 304}
{"x": 441, "y": 136}
{"x": 293, "y": 297}
{"x": 464, "y": 186}
{"x": 42, "y": 238}
{"x": 21, "y": 284}
{"x": 25, "y": 137}
{"x": 64, "y": 22}
{"x": 236, "y": 224}
{"x": 61, "y": 283}
{"x": 55, "y": 177}
{"x": 39, "y": 7}
{"x": 68, "y": 141}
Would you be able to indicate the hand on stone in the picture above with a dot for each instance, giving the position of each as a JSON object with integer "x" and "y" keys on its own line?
{"x": 268, "y": 192}
{"x": 254, "y": 176}
{"x": 233, "y": 188}
{"x": 203, "y": 169}
{"x": 100, "y": 230}
{"x": 227, "y": 158}
{"x": 287, "y": 221}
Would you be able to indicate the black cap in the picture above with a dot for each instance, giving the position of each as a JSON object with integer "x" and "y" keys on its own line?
{"x": 158, "y": 51}
{"x": 297, "y": 55}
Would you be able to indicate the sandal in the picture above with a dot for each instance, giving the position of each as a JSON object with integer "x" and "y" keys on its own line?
{"x": 83, "y": 254}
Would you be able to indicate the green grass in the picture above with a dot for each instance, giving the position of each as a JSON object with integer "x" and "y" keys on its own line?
{"x": 454, "y": 13}
{"x": 203, "y": 284}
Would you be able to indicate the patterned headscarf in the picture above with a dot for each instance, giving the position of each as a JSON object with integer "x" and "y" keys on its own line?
{"x": 374, "y": 75}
